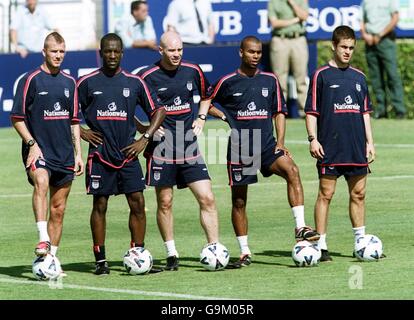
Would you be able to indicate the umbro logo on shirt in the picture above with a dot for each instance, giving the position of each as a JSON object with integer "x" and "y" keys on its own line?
{"x": 43, "y": 93}
{"x": 334, "y": 86}
{"x": 237, "y": 94}
{"x": 97, "y": 92}
{"x": 162, "y": 89}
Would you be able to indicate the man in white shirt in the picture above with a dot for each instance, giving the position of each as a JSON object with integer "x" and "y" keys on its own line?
{"x": 192, "y": 19}
{"x": 138, "y": 31}
{"x": 28, "y": 29}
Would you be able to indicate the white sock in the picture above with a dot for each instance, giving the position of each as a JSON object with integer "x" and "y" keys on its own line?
{"x": 359, "y": 232}
{"x": 170, "y": 247}
{"x": 42, "y": 229}
{"x": 322, "y": 242}
{"x": 244, "y": 247}
{"x": 53, "y": 250}
{"x": 299, "y": 215}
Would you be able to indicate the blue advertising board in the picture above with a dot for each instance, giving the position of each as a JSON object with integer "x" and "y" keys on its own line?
{"x": 235, "y": 19}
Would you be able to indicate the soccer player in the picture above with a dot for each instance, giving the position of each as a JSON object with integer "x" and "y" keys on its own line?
{"x": 175, "y": 159}
{"x": 252, "y": 100}
{"x": 45, "y": 114}
{"x": 108, "y": 98}
{"x": 339, "y": 131}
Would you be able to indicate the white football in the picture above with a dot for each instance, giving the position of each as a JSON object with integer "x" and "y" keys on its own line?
{"x": 368, "y": 248}
{"x": 46, "y": 267}
{"x": 138, "y": 260}
{"x": 306, "y": 254}
{"x": 214, "y": 256}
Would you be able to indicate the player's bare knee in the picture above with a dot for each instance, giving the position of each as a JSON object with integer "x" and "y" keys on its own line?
{"x": 57, "y": 212}
{"x": 165, "y": 205}
{"x": 358, "y": 195}
{"x": 239, "y": 203}
{"x": 326, "y": 195}
{"x": 207, "y": 200}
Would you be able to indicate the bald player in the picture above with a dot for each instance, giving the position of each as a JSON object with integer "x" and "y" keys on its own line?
{"x": 175, "y": 159}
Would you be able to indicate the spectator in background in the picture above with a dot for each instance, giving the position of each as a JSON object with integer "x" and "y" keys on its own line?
{"x": 138, "y": 31}
{"x": 192, "y": 19}
{"x": 288, "y": 48}
{"x": 28, "y": 29}
{"x": 379, "y": 18}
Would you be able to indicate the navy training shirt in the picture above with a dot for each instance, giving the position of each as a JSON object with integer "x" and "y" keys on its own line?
{"x": 249, "y": 103}
{"x": 339, "y": 98}
{"x": 108, "y": 105}
{"x": 176, "y": 90}
{"x": 48, "y": 104}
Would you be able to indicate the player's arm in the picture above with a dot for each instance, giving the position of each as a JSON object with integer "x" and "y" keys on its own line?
{"x": 79, "y": 165}
{"x": 369, "y": 137}
{"x": 280, "y": 128}
{"x": 34, "y": 152}
{"x": 315, "y": 148}
{"x": 199, "y": 123}
{"x": 217, "y": 113}
{"x": 136, "y": 148}
{"x": 93, "y": 137}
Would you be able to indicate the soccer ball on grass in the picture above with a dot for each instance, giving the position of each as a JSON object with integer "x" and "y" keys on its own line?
{"x": 368, "y": 248}
{"x": 306, "y": 254}
{"x": 46, "y": 267}
{"x": 138, "y": 260}
{"x": 214, "y": 256}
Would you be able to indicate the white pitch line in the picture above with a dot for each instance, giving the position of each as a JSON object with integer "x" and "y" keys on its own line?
{"x": 221, "y": 186}
{"x": 112, "y": 290}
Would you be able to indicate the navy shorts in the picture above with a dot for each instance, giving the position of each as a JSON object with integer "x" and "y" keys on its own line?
{"x": 242, "y": 174}
{"x": 346, "y": 171}
{"x": 102, "y": 179}
{"x": 57, "y": 176}
{"x": 168, "y": 174}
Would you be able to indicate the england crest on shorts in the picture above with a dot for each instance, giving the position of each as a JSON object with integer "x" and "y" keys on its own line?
{"x": 157, "y": 175}
{"x": 237, "y": 176}
{"x": 125, "y": 92}
{"x": 66, "y": 92}
{"x": 358, "y": 87}
{"x": 189, "y": 85}
{"x": 95, "y": 184}
{"x": 265, "y": 92}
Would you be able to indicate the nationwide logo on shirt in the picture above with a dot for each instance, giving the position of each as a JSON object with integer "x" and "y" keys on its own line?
{"x": 178, "y": 107}
{"x": 348, "y": 106}
{"x": 111, "y": 113}
{"x": 58, "y": 113}
{"x": 252, "y": 112}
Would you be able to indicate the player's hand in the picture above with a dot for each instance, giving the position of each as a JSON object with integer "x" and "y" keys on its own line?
{"x": 93, "y": 137}
{"x": 134, "y": 149}
{"x": 286, "y": 150}
{"x": 198, "y": 126}
{"x": 79, "y": 165}
{"x": 34, "y": 154}
{"x": 370, "y": 152}
{"x": 316, "y": 150}
{"x": 159, "y": 133}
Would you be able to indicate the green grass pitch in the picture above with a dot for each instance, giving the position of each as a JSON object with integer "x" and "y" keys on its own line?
{"x": 272, "y": 275}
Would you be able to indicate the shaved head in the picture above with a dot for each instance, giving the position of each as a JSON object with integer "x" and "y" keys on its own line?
{"x": 247, "y": 39}
{"x": 170, "y": 38}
